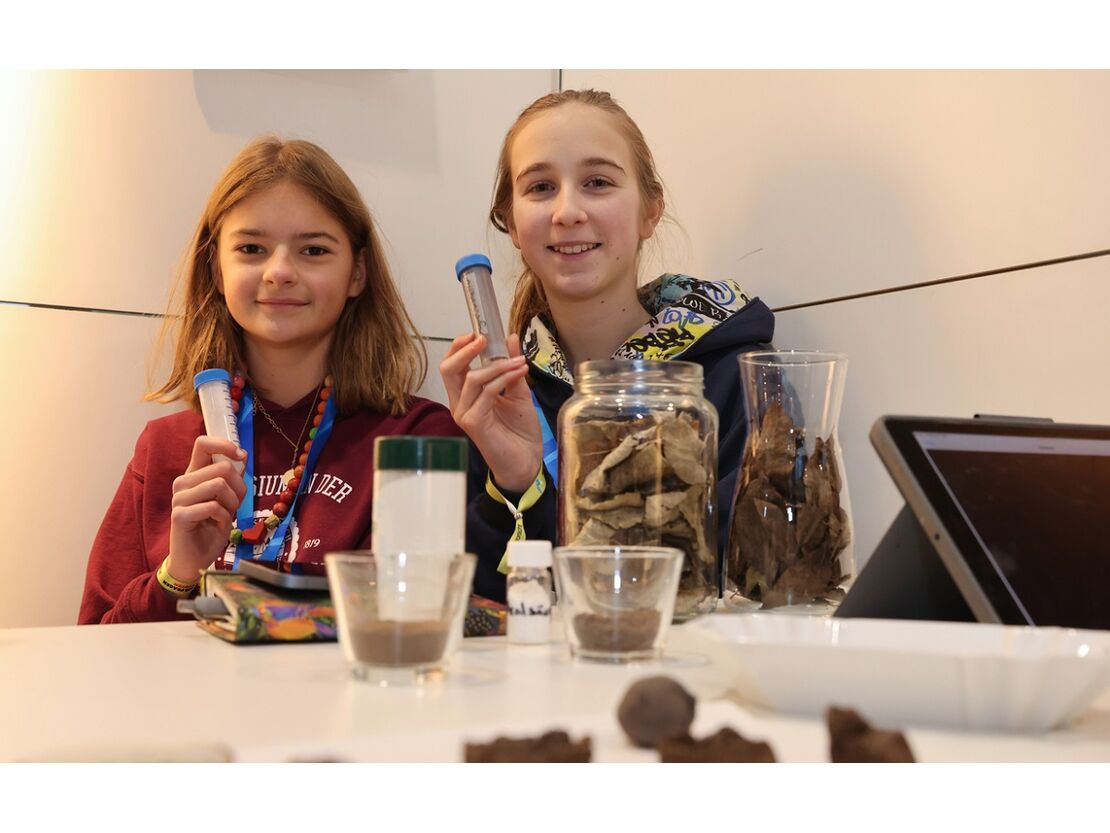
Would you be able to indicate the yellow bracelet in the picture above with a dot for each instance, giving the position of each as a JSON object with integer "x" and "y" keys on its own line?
{"x": 172, "y": 585}
{"x": 527, "y": 501}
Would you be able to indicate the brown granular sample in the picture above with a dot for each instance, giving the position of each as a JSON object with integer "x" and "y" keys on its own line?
{"x": 395, "y": 642}
{"x": 726, "y": 746}
{"x": 618, "y": 632}
{"x": 852, "y": 740}
{"x": 655, "y": 709}
{"x": 553, "y": 747}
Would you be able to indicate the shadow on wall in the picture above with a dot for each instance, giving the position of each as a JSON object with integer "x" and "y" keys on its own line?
{"x": 379, "y": 117}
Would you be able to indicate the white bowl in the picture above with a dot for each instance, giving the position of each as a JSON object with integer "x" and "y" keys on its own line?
{"x": 973, "y": 676}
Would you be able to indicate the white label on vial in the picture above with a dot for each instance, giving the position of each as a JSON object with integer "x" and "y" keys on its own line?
{"x": 529, "y": 613}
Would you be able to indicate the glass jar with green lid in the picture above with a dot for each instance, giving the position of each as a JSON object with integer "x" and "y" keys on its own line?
{"x": 638, "y": 466}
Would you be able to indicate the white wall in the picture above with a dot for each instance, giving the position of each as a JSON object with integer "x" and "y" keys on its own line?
{"x": 803, "y": 185}
{"x": 807, "y": 185}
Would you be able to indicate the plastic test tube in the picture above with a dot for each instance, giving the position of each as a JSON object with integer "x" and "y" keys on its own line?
{"x": 476, "y": 276}
{"x": 213, "y": 386}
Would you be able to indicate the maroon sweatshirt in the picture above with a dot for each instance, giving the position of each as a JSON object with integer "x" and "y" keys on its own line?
{"x": 333, "y": 513}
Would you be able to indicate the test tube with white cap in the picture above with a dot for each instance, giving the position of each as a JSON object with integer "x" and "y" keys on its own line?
{"x": 213, "y": 387}
{"x": 476, "y": 276}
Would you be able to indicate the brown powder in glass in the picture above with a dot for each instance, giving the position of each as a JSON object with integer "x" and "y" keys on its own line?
{"x": 394, "y": 642}
{"x": 632, "y": 631}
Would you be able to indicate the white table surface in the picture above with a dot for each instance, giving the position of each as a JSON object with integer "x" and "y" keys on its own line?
{"x": 171, "y": 691}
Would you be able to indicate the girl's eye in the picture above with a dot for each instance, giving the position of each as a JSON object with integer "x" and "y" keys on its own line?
{"x": 315, "y": 251}
{"x": 538, "y": 187}
{"x": 250, "y": 249}
{"x": 597, "y": 182}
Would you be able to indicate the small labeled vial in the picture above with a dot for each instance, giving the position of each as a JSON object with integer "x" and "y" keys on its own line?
{"x": 528, "y": 592}
{"x": 213, "y": 387}
{"x": 476, "y": 276}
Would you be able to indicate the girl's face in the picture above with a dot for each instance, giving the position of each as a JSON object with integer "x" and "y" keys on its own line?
{"x": 286, "y": 268}
{"x": 577, "y": 214}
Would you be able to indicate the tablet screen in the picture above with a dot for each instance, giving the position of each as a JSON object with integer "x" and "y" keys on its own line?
{"x": 1029, "y": 509}
{"x": 1039, "y": 507}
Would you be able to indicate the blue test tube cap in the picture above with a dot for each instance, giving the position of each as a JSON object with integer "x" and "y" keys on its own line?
{"x": 213, "y": 374}
{"x": 469, "y": 261}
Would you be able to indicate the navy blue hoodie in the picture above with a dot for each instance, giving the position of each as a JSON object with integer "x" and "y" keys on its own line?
{"x": 709, "y": 323}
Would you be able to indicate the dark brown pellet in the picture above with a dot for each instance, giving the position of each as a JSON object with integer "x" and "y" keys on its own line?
{"x": 553, "y": 747}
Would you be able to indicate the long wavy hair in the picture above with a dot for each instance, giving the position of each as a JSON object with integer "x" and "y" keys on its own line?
{"x": 528, "y": 298}
{"x": 377, "y": 357}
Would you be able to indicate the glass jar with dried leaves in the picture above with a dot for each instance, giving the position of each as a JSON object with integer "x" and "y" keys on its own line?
{"x": 790, "y": 532}
{"x": 638, "y": 466}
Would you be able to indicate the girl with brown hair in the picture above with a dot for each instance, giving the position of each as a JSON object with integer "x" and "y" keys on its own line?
{"x": 285, "y": 286}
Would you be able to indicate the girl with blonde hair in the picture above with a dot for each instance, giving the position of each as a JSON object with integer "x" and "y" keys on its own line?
{"x": 578, "y": 193}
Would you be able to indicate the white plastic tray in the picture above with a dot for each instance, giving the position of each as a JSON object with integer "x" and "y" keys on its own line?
{"x": 950, "y": 674}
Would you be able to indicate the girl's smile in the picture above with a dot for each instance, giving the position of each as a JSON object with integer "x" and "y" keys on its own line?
{"x": 574, "y": 249}
{"x": 282, "y": 302}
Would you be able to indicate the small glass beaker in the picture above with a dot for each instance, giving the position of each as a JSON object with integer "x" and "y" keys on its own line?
{"x": 790, "y": 531}
{"x": 617, "y": 601}
{"x": 399, "y": 615}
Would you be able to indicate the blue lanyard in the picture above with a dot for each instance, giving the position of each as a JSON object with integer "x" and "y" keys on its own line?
{"x": 550, "y": 449}
{"x": 245, "y": 516}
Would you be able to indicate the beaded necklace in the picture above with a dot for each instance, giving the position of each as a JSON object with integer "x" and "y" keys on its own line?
{"x": 247, "y": 532}
{"x": 259, "y": 408}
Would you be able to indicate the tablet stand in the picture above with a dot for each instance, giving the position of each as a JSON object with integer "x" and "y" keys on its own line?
{"x": 905, "y": 579}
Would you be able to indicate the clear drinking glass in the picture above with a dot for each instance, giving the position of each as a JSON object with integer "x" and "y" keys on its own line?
{"x": 616, "y": 603}
{"x": 790, "y": 531}
{"x": 399, "y": 615}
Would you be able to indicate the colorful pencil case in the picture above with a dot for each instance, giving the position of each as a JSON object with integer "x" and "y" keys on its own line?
{"x": 240, "y": 610}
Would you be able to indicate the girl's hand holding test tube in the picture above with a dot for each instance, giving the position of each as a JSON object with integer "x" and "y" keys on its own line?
{"x": 493, "y": 405}
{"x": 205, "y": 499}
{"x": 207, "y": 496}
